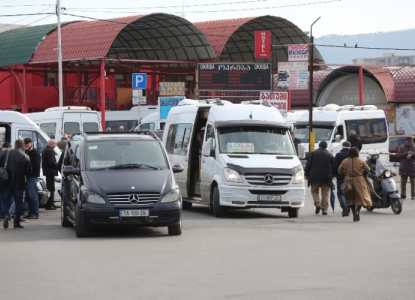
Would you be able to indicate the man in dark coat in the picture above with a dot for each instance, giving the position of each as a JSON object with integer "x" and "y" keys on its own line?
{"x": 295, "y": 141}
{"x": 406, "y": 155}
{"x": 354, "y": 140}
{"x": 18, "y": 167}
{"x": 342, "y": 155}
{"x": 31, "y": 196}
{"x": 318, "y": 172}
{"x": 50, "y": 170}
{"x": 5, "y": 146}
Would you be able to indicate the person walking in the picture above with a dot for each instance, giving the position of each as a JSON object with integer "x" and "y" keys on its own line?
{"x": 354, "y": 171}
{"x": 50, "y": 170}
{"x": 318, "y": 172}
{"x": 295, "y": 142}
{"x": 406, "y": 155}
{"x": 18, "y": 167}
{"x": 62, "y": 143}
{"x": 354, "y": 140}
{"x": 31, "y": 196}
{"x": 5, "y": 146}
{"x": 338, "y": 159}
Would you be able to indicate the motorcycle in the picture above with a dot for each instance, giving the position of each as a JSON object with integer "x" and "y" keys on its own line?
{"x": 385, "y": 187}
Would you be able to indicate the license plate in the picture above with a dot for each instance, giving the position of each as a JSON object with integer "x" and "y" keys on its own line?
{"x": 269, "y": 197}
{"x": 134, "y": 213}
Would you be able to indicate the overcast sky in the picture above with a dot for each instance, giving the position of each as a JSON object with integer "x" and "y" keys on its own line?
{"x": 337, "y": 16}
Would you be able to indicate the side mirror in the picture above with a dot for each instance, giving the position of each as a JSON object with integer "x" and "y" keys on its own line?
{"x": 177, "y": 168}
{"x": 337, "y": 138}
{"x": 206, "y": 148}
{"x": 69, "y": 170}
{"x": 301, "y": 151}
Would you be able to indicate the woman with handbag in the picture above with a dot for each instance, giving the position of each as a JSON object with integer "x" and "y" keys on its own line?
{"x": 354, "y": 186}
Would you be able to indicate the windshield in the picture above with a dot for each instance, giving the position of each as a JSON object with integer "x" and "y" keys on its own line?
{"x": 380, "y": 167}
{"x": 255, "y": 140}
{"x": 322, "y": 133}
{"x": 125, "y": 153}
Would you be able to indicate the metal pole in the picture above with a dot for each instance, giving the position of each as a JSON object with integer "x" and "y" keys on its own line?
{"x": 102, "y": 84}
{"x": 312, "y": 138}
{"x": 58, "y": 13}
{"x": 360, "y": 85}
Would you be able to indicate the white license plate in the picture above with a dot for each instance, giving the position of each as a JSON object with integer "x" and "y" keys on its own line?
{"x": 134, "y": 213}
{"x": 269, "y": 197}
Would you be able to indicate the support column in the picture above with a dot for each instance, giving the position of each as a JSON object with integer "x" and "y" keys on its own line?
{"x": 24, "y": 100}
{"x": 79, "y": 87}
{"x": 360, "y": 85}
{"x": 102, "y": 84}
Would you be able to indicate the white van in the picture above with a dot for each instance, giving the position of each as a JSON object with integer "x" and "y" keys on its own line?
{"x": 56, "y": 121}
{"x": 248, "y": 159}
{"x": 332, "y": 123}
{"x": 151, "y": 122}
{"x": 127, "y": 118}
{"x": 14, "y": 125}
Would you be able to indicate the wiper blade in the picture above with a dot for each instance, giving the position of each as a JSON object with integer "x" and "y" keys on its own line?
{"x": 132, "y": 166}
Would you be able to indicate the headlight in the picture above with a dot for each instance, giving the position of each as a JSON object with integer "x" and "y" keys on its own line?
{"x": 231, "y": 175}
{"x": 299, "y": 177}
{"x": 93, "y": 198}
{"x": 171, "y": 196}
{"x": 387, "y": 174}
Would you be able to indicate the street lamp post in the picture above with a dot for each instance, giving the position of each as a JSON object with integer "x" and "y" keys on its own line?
{"x": 312, "y": 137}
{"x": 58, "y": 13}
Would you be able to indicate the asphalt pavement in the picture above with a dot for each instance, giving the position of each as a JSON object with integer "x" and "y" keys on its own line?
{"x": 252, "y": 254}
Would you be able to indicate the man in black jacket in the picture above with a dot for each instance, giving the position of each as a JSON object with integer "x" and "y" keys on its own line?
{"x": 354, "y": 140}
{"x": 18, "y": 167}
{"x": 31, "y": 180}
{"x": 342, "y": 155}
{"x": 295, "y": 141}
{"x": 318, "y": 172}
{"x": 50, "y": 170}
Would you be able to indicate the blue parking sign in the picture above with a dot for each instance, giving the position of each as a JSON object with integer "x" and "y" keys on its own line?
{"x": 139, "y": 80}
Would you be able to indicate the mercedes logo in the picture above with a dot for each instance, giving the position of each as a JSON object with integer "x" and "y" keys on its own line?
{"x": 269, "y": 179}
{"x": 133, "y": 198}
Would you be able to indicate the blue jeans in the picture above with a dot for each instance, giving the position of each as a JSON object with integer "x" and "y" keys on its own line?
{"x": 7, "y": 195}
{"x": 32, "y": 198}
{"x": 340, "y": 194}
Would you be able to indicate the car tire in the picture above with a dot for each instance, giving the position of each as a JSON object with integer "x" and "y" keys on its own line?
{"x": 64, "y": 216}
{"x": 218, "y": 210}
{"x": 175, "y": 229}
{"x": 293, "y": 212}
{"x": 80, "y": 228}
{"x": 187, "y": 205}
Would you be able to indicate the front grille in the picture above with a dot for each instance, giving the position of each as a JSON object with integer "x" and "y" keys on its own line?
{"x": 124, "y": 199}
{"x": 267, "y": 192}
{"x": 258, "y": 179}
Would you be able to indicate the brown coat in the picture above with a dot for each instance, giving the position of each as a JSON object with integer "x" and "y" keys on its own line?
{"x": 360, "y": 195}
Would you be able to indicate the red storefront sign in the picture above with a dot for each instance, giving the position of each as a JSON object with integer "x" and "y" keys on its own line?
{"x": 263, "y": 44}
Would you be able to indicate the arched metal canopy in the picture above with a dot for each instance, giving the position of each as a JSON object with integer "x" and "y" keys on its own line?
{"x": 234, "y": 40}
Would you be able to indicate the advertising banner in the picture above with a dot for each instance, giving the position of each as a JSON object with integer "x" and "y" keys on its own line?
{"x": 298, "y": 52}
{"x": 167, "y": 103}
{"x": 405, "y": 119}
{"x": 263, "y": 48}
{"x": 171, "y": 89}
{"x": 390, "y": 116}
{"x": 293, "y": 75}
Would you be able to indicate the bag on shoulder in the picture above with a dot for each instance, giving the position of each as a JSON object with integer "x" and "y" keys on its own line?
{"x": 346, "y": 185}
{"x": 4, "y": 176}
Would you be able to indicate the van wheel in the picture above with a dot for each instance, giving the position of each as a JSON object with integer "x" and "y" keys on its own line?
{"x": 187, "y": 205}
{"x": 81, "y": 230}
{"x": 218, "y": 210}
{"x": 293, "y": 212}
{"x": 64, "y": 216}
{"x": 175, "y": 229}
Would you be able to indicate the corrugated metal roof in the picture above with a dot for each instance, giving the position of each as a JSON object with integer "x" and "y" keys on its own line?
{"x": 234, "y": 40}
{"x": 404, "y": 79}
{"x": 385, "y": 79}
{"x": 150, "y": 37}
{"x": 18, "y": 45}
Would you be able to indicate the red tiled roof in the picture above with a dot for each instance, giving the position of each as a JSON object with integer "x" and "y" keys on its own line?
{"x": 404, "y": 79}
{"x": 386, "y": 81}
{"x": 82, "y": 40}
{"x": 301, "y": 97}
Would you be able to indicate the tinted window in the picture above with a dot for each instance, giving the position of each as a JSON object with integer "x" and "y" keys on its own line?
{"x": 49, "y": 129}
{"x": 396, "y": 142}
{"x": 171, "y": 136}
{"x": 90, "y": 127}
{"x": 370, "y": 131}
{"x": 71, "y": 127}
{"x": 147, "y": 126}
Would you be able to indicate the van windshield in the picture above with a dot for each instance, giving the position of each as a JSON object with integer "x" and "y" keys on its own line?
{"x": 255, "y": 140}
{"x": 131, "y": 153}
{"x": 323, "y": 133}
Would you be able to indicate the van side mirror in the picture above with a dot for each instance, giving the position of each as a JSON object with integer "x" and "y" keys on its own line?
{"x": 177, "y": 168}
{"x": 69, "y": 170}
{"x": 207, "y": 149}
{"x": 337, "y": 138}
{"x": 301, "y": 151}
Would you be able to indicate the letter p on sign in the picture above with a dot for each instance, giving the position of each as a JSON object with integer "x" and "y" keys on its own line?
{"x": 139, "y": 80}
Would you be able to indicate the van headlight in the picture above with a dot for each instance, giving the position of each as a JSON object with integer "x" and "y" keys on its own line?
{"x": 91, "y": 197}
{"x": 231, "y": 175}
{"x": 171, "y": 196}
{"x": 299, "y": 177}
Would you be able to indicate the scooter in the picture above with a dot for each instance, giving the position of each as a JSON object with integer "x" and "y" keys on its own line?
{"x": 385, "y": 187}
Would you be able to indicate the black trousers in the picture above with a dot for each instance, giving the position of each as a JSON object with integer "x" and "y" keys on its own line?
{"x": 50, "y": 185}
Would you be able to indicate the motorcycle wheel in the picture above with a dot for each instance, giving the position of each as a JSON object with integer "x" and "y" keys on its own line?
{"x": 369, "y": 208}
{"x": 396, "y": 205}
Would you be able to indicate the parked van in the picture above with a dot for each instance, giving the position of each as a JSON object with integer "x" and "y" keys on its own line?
{"x": 247, "y": 160}
{"x": 151, "y": 122}
{"x": 127, "y": 118}
{"x": 332, "y": 123}
{"x": 14, "y": 125}
{"x": 56, "y": 121}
